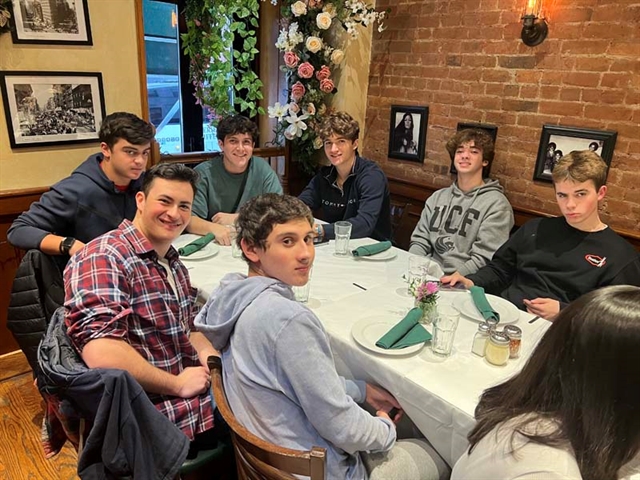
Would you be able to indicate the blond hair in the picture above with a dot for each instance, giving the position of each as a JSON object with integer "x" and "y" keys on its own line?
{"x": 580, "y": 166}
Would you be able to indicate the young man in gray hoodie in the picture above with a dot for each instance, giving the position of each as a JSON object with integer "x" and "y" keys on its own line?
{"x": 463, "y": 225}
{"x": 278, "y": 369}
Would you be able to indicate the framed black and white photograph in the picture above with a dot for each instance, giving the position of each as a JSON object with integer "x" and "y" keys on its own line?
{"x": 51, "y": 108}
{"x": 51, "y": 22}
{"x": 492, "y": 131}
{"x": 408, "y": 132}
{"x": 557, "y": 141}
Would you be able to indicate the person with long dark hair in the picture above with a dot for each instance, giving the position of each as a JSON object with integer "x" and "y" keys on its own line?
{"x": 403, "y": 136}
{"x": 573, "y": 412}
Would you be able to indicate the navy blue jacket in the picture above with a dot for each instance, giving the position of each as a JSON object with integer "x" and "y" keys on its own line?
{"x": 363, "y": 201}
{"x": 84, "y": 205}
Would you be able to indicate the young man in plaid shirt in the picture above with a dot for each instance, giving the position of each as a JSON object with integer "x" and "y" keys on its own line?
{"x": 130, "y": 304}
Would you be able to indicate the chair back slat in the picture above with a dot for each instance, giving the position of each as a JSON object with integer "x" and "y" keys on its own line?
{"x": 257, "y": 458}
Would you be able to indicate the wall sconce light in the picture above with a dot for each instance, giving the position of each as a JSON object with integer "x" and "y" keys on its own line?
{"x": 534, "y": 28}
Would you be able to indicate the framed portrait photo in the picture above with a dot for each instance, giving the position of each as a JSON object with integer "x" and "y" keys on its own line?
{"x": 556, "y": 141}
{"x": 51, "y": 22}
{"x": 491, "y": 130}
{"x": 51, "y": 108}
{"x": 408, "y": 132}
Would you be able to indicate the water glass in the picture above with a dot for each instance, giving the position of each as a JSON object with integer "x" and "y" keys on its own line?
{"x": 444, "y": 330}
{"x": 342, "y": 232}
{"x": 302, "y": 293}
{"x": 417, "y": 272}
{"x": 236, "y": 251}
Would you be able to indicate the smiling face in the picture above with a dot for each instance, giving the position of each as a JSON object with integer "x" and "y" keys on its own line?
{"x": 468, "y": 159}
{"x": 164, "y": 212}
{"x": 124, "y": 161}
{"x": 578, "y": 203}
{"x": 340, "y": 151}
{"x": 288, "y": 254}
{"x": 236, "y": 150}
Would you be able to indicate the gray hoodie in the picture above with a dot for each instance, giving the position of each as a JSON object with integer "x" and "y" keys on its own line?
{"x": 280, "y": 378}
{"x": 462, "y": 230}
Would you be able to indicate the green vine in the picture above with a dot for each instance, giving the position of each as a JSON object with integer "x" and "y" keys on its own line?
{"x": 216, "y": 67}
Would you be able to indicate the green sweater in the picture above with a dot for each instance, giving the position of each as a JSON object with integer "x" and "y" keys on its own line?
{"x": 218, "y": 189}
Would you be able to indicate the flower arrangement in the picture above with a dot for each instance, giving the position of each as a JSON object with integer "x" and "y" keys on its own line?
{"x": 5, "y": 16}
{"x": 426, "y": 293}
{"x": 313, "y": 50}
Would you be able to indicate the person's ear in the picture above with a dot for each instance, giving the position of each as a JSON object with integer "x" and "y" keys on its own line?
{"x": 220, "y": 144}
{"x": 355, "y": 144}
{"x": 105, "y": 150}
{"x": 250, "y": 251}
{"x": 602, "y": 191}
{"x": 140, "y": 199}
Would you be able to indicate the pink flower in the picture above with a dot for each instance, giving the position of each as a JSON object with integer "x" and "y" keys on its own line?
{"x": 291, "y": 59}
{"x": 305, "y": 70}
{"x": 323, "y": 73}
{"x": 327, "y": 85}
{"x": 298, "y": 91}
{"x": 315, "y": 3}
{"x": 427, "y": 292}
{"x": 432, "y": 287}
{"x": 294, "y": 107}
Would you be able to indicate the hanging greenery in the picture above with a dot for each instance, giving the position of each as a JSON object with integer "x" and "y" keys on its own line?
{"x": 221, "y": 44}
{"x": 5, "y": 16}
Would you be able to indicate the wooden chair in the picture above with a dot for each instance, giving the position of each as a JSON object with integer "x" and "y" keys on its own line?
{"x": 399, "y": 213}
{"x": 257, "y": 459}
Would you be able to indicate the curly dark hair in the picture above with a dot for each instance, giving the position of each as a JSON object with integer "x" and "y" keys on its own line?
{"x": 234, "y": 124}
{"x": 127, "y": 126}
{"x": 170, "y": 171}
{"x": 480, "y": 139}
{"x": 258, "y": 216}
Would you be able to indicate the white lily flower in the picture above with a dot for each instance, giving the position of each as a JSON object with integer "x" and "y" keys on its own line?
{"x": 278, "y": 111}
{"x": 296, "y": 127}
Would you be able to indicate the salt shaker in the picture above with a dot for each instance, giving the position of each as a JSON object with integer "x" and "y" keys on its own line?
{"x": 480, "y": 339}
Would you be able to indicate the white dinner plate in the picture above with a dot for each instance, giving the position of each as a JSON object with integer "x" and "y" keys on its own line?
{"x": 379, "y": 257}
{"x": 209, "y": 250}
{"x": 367, "y": 331}
{"x": 507, "y": 310}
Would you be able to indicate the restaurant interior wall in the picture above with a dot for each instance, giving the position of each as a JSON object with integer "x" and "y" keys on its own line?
{"x": 466, "y": 61}
{"x": 114, "y": 53}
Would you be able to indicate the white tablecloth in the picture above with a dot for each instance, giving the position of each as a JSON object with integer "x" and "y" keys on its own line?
{"x": 439, "y": 396}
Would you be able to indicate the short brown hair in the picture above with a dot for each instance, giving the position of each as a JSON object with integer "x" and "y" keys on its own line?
{"x": 339, "y": 123}
{"x": 480, "y": 139}
{"x": 580, "y": 166}
{"x": 258, "y": 216}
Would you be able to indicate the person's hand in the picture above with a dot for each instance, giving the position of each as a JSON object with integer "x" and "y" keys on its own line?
{"x": 383, "y": 402}
{"x": 203, "y": 356}
{"x": 222, "y": 233}
{"x": 224, "y": 218}
{"x": 547, "y": 308}
{"x": 192, "y": 381}
{"x": 456, "y": 278}
{"x": 76, "y": 247}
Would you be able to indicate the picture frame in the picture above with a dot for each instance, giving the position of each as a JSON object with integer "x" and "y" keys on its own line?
{"x": 46, "y": 22}
{"x": 408, "y": 142}
{"x": 52, "y": 108}
{"x": 492, "y": 130}
{"x": 556, "y": 141}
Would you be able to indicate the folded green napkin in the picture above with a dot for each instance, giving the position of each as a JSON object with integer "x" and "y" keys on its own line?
{"x": 405, "y": 333}
{"x": 372, "y": 249}
{"x": 196, "y": 245}
{"x": 477, "y": 293}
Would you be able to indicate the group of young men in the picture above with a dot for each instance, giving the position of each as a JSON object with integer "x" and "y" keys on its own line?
{"x": 130, "y": 305}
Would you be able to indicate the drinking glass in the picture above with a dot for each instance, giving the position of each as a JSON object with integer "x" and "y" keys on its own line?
{"x": 302, "y": 293}
{"x": 342, "y": 232}
{"x": 236, "y": 251}
{"x": 417, "y": 272}
{"x": 444, "y": 330}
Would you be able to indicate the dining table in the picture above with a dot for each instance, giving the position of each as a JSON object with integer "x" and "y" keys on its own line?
{"x": 439, "y": 394}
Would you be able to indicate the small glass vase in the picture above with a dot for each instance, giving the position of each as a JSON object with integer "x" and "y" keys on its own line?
{"x": 429, "y": 312}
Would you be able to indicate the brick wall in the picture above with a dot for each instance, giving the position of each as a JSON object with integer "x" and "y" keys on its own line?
{"x": 465, "y": 60}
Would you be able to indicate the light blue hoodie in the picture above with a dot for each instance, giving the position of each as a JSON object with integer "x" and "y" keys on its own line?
{"x": 280, "y": 378}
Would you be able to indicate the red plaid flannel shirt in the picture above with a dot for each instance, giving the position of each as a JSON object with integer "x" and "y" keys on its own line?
{"x": 115, "y": 288}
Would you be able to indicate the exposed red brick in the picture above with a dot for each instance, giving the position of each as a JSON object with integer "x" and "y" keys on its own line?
{"x": 570, "y": 94}
{"x": 616, "y": 80}
{"x": 520, "y": 105}
{"x": 599, "y": 95}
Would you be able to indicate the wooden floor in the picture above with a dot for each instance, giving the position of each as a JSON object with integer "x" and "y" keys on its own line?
{"x": 21, "y": 454}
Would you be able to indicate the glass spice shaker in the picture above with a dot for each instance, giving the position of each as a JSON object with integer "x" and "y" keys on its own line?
{"x": 497, "y": 351}
{"x": 480, "y": 339}
{"x": 515, "y": 339}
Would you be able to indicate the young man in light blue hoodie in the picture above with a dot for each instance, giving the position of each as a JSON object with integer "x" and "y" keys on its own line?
{"x": 463, "y": 225}
{"x": 278, "y": 369}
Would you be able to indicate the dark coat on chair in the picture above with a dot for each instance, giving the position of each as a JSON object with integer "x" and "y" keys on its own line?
{"x": 38, "y": 289}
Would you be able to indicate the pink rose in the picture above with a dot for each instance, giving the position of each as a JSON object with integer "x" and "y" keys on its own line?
{"x": 315, "y": 3}
{"x": 298, "y": 91}
{"x": 305, "y": 70}
{"x": 291, "y": 59}
{"x": 323, "y": 73}
{"x": 294, "y": 107}
{"x": 326, "y": 85}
